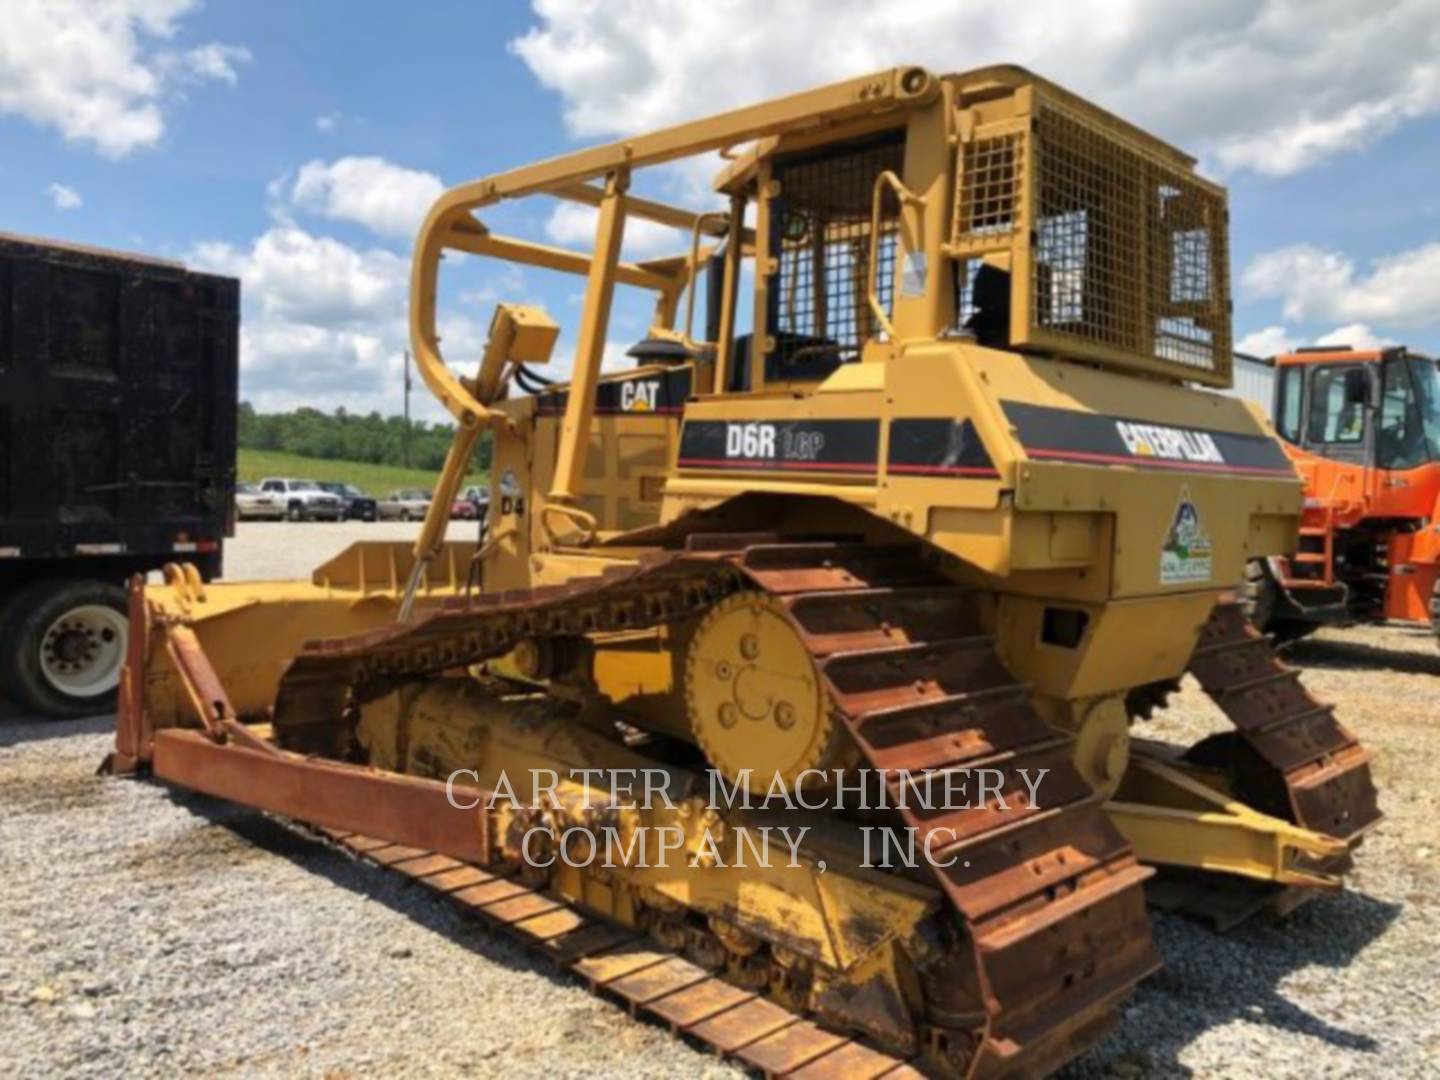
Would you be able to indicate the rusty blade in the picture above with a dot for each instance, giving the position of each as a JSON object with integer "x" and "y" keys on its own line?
{"x": 401, "y": 809}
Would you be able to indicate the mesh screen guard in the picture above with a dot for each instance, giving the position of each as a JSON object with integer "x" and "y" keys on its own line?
{"x": 1121, "y": 255}
{"x": 818, "y": 316}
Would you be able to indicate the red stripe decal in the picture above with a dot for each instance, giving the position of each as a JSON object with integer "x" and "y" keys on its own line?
{"x": 554, "y": 410}
{"x": 732, "y": 463}
{"x": 1157, "y": 463}
{"x": 946, "y": 470}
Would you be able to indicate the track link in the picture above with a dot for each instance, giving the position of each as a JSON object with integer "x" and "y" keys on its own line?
{"x": 1052, "y": 930}
{"x": 1293, "y": 758}
{"x": 649, "y": 980}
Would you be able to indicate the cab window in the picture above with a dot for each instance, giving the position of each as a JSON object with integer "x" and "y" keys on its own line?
{"x": 1401, "y": 444}
{"x": 1337, "y": 405}
{"x": 1291, "y": 380}
{"x": 819, "y": 316}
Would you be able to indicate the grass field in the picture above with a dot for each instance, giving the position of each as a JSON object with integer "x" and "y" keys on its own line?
{"x": 378, "y": 480}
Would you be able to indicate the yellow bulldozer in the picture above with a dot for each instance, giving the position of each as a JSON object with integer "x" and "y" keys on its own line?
{"x": 878, "y": 559}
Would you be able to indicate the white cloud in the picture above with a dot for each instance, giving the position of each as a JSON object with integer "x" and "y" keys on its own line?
{"x": 1318, "y": 285}
{"x": 1357, "y": 336}
{"x": 614, "y": 358}
{"x": 327, "y": 122}
{"x": 326, "y": 324}
{"x": 93, "y": 70}
{"x": 1273, "y": 86}
{"x": 1274, "y": 340}
{"x": 505, "y": 281}
{"x": 1271, "y": 341}
{"x": 64, "y": 197}
{"x": 291, "y": 274}
{"x": 370, "y": 191}
{"x": 212, "y": 61}
{"x": 573, "y": 225}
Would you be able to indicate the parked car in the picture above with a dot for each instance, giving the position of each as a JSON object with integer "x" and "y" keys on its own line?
{"x": 358, "y": 505}
{"x": 479, "y": 497}
{"x": 406, "y": 504}
{"x": 252, "y": 504}
{"x": 304, "y": 500}
{"x": 462, "y": 509}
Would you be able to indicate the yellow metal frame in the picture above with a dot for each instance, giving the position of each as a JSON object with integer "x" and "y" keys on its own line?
{"x": 1174, "y": 819}
{"x": 979, "y": 99}
{"x": 451, "y": 223}
{"x": 909, "y": 201}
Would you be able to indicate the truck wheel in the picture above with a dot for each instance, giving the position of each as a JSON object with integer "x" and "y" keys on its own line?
{"x": 64, "y": 646}
{"x": 1435, "y": 608}
{"x": 1258, "y": 594}
{"x": 297, "y": 512}
{"x": 1259, "y": 597}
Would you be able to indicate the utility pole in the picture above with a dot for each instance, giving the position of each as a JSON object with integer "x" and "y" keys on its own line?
{"x": 405, "y": 445}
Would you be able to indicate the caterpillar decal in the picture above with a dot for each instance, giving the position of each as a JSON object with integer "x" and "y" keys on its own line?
{"x": 1081, "y": 438}
{"x": 662, "y": 393}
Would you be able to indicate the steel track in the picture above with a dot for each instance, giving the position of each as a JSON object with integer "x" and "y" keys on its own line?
{"x": 1051, "y": 930}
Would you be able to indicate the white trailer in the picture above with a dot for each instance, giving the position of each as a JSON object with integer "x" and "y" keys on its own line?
{"x": 1254, "y": 380}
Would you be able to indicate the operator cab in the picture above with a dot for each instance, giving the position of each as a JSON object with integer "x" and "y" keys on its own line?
{"x": 1374, "y": 408}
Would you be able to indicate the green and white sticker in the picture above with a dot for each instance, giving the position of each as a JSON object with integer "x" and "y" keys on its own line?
{"x": 1185, "y": 556}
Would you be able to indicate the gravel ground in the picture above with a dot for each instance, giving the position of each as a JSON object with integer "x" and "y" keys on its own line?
{"x": 153, "y": 932}
{"x": 1347, "y": 985}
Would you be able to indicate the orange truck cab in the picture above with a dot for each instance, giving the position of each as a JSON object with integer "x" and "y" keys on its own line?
{"x": 1363, "y": 430}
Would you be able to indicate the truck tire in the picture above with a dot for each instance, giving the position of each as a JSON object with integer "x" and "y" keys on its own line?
{"x": 64, "y": 646}
{"x": 1258, "y": 594}
{"x": 1259, "y": 597}
{"x": 1435, "y": 609}
{"x": 297, "y": 512}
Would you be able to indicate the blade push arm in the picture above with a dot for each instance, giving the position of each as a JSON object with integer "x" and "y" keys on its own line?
{"x": 518, "y": 335}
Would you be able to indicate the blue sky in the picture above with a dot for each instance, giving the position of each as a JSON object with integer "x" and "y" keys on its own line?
{"x": 297, "y": 144}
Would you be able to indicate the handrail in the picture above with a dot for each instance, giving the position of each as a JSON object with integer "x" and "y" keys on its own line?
{"x": 581, "y": 518}
{"x": 700, "y": 219}
{"x": 451, "y": 217}
{"x": 907, "y": 198}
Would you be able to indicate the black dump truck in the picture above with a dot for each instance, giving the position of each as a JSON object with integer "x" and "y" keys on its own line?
{"x": 118, "y": 383}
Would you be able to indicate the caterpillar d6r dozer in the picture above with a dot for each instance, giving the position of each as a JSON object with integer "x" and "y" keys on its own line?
{"x": 881, "y": 545}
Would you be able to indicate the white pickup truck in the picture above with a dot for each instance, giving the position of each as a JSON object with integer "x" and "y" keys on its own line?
{"x": 304, "y": 500}
{"x": 407, "y": 504}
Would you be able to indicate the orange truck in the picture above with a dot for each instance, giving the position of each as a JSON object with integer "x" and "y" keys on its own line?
{"x": 1363, "y": 430}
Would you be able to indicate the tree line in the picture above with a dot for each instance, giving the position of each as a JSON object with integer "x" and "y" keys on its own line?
{"x": 341, "y": 436}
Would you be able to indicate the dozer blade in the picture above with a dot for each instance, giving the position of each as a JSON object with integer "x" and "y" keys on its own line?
{"x": 408, "y": 826}
{"x": 251, "y": 630}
